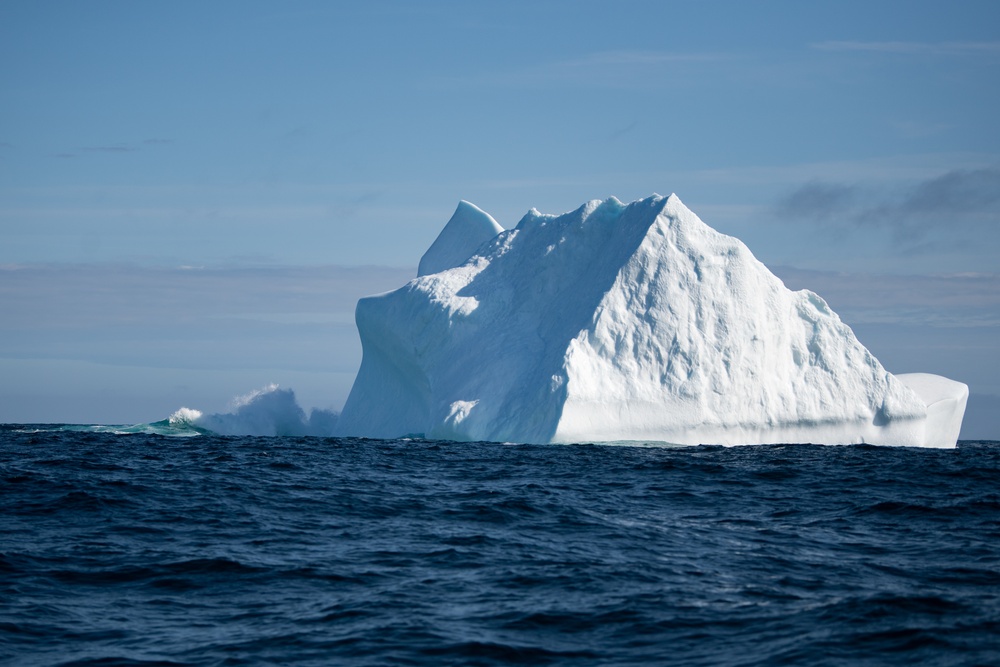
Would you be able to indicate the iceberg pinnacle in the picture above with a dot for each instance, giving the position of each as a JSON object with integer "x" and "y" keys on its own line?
{"x": 469, "y": 228}
{"x": 619, "y": 322}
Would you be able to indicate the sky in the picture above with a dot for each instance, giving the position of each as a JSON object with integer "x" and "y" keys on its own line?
{"x": 194, "y": 195}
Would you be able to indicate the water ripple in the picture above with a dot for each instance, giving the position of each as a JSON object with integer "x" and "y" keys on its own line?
{"x": 139, "y": 549}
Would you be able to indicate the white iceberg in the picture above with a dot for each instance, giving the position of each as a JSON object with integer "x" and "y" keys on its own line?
{"x": 617, "y": 323}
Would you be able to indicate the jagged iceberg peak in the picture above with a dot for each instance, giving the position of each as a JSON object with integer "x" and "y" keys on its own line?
{"x": 468, "y": 228}
{"x": 620, "y": 322}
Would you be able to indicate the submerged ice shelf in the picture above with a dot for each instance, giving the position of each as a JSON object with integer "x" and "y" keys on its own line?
{"x": 619, "y": 322}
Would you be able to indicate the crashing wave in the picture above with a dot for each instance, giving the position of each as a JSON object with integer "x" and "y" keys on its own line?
{"x": 269, "y": 411}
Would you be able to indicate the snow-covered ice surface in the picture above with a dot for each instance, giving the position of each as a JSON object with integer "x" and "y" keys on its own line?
{"x": 619, "y": 322}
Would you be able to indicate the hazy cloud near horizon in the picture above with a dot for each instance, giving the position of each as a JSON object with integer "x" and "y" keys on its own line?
{"x": 89, "y": 324}
{"x": 175, "y": 336}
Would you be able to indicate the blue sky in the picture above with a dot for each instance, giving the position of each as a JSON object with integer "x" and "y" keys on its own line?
{"x": 193, "y": 195}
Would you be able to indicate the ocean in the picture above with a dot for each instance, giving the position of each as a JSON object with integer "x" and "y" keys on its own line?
{"x": 139, "y": 548}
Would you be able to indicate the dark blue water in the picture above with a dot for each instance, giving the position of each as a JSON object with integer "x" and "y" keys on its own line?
{"x": 143, "y": 549}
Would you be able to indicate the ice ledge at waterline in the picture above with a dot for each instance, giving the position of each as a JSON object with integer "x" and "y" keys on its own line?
{"x": 620, "y": 322}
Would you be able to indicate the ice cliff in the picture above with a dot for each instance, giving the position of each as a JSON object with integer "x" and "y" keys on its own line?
{"x": 620, "y": 322}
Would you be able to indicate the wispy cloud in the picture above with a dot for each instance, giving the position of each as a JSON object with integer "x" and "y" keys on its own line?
{"x": 632, "y": 58}
{"x": 958, "y": 198}
{"x": 818, "y": 200}
{"x": 622, "y": 131}
{"x": 119, "y": 148}
{"x": 914, "y": 48}
{"x": 58, "y": 295}
{"x": 601, "y": 68}
{"x": 114, "y": 148}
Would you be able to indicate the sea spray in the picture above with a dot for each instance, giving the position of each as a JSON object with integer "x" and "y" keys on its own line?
{"x": 268, "y": 411}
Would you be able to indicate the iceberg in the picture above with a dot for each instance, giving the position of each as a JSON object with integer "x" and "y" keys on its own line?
{"x": 623, "y": 323}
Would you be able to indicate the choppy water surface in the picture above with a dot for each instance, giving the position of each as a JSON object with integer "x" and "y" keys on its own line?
{"x": 127, "y": 549}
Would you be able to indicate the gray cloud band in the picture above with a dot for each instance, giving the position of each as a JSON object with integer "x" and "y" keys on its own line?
{"x": 964, "y": 197}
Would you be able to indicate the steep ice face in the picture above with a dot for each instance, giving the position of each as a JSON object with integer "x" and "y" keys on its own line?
{"x": 469, "y": 228}
{"x": 618, "y": 323}
{"x": 696, "y": 340}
